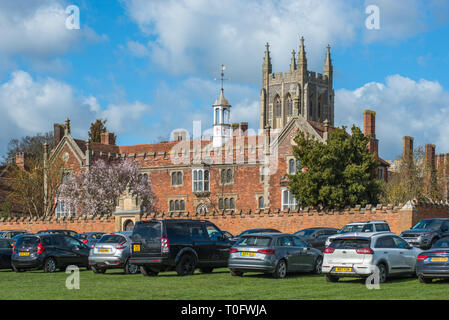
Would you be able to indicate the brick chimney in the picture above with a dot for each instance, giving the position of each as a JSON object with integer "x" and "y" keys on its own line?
{"x": 244, "y": 128}
{"x": 430, "y": 165}
{"x": 58, "y": 133}
{"x": 407, "y": 148}
{"x": 235, "y": 129}
{"x": 20, "y": 160}
{"x": 108, "y": 138}
{"x": 369, "y": 129}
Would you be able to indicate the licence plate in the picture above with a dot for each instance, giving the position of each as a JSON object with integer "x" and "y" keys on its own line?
{"x": 24, "y": 254}
{"x": 343, "y": 269}
{"x": 136, "y": 247}
{"x": 439, "y": 259}
{"x": 103, "y": 250}
{"x": 248, "y": 254}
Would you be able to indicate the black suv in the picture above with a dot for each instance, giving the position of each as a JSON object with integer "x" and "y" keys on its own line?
{"x": 426, "y": 232}
{"x": 182, "y": 245}
{"x": 48, "y": 251}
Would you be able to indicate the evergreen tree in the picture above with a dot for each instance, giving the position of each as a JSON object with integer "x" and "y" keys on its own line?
{"x": 96, "y": 129}
{"x": 336, "y": 174}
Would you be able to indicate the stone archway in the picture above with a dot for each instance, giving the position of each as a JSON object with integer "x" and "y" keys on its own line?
{"x": 201, "y": 208}
{"x": 128, "y": 225}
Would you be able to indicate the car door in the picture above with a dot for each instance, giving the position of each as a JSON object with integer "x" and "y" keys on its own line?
{"x": 221, "y": 245}
{"x": 386, "y": 249}
{"x": 77, "y": 252}
{"x": 408, "y": 258}
{"x": 306, "y": 256}
{"x": 203, "y": 246}
{"x": 292, "y": 253}
{"x": 5, "y": 253}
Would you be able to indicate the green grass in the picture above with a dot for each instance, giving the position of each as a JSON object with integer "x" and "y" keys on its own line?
{"x": 217, "y": 285}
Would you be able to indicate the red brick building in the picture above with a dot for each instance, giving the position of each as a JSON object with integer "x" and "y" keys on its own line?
{"x": 238, "y": 169}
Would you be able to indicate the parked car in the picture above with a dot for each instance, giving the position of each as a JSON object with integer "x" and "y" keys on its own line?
{"x": 358, "y": 227}
{"x": 14, "y": 239}
{"x": 250, "y": 231}
{"x": 8, "y": 234}
{"x": 426, "y": 232}
{"x": 65, "y": 232}
{"x": 48, "y": 252}
{"x": 89, "y": 238}
{"x": 434, "y": 263}
{"x": 112, "y": 251}
{"x": 275, "y": 253}
{"x": 316, "y": 237}
{"x": 357, "y": 255}
{"x": 5, "y": 253}
{"x": 179, "y": 244}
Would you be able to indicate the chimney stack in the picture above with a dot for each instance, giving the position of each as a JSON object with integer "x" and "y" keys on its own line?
{"x": 108, "y": 138}
{"x": 244, "y": 128}
{"x": 369, "y": 129}
{"x": 20, "y": 160}
{"x": 179, "y": 135}
{"x": 235, "y": 129}
{"x": 58, "y": 133}
{"x": 407, "y": 148}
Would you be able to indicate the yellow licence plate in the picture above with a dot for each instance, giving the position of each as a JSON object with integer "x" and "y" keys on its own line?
{"x": 438, "y": 259}
{"x": 343, "y": 269}
{"x": 103, "y": 250}
{"x": 24, "y": 254}
{"x": 136, "y": 247}
{"x": 248, "y": 254}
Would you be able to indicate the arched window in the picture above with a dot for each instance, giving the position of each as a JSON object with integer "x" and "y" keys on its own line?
{"x": 232, "y": 204}
{"x": 289, "y": 110}
{"x": 319, "y": 109}
{"x": 179, "y": 178}
{"x": 172, "y": 205}
{"x": 310, "y": 107}
{"x": 177, "y": 205}
{"x": 183, "y": 205}
{"x": 261, "y": 203}
{"x": 291, "y": 166}
{"x": 173, "y": 179}
{"x": 226, "y": 203}
{"x": 229, "y": 176}
{"x": 277, "y": 107}
{"x": 220, "y": 204}
{"x": 223, "y": 176}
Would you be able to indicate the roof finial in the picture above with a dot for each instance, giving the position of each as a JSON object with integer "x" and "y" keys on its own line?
{"x": 223, "y": 68}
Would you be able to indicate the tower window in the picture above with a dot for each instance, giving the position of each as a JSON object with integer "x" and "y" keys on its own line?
{"x": 277, "y": 107}
{"x": 261, "y": 203}
{"x": 289, "y": 107}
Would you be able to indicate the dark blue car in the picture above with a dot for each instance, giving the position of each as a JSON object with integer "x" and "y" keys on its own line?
{"x": 434, "y": 263}
{"x": 5, "y": 254}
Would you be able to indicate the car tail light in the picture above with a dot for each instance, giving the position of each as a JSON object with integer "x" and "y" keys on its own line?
{"x": 40, "y": 248}
{"x": 13, "y": 247}
{"x": 85, "y": 241}
{"x": 121, "y": 246}
{"x": 233, "y": 250}
{"x": 164, "y": 245}
{"x": 93, "y": 246}
{"x": 421, "y": 257}
{"x": 329, "y": 250}
{"x": 364, "y": 251}
{"x": 266, "y": 251}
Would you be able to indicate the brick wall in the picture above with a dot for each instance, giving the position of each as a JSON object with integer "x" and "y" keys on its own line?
{"x": 399, "y": 219}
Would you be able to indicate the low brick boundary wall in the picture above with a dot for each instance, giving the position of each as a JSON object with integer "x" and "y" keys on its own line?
{"x": 399, "y": 218}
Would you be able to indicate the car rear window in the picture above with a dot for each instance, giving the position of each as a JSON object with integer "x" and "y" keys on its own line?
{"x": 443, "y": 243}
{"x": 251, "y": 241}
{"x": 147, "y": 230}
{"x": 350, "y": 243}
{"x": 112, "y": 238}
{"x": 27, "y": 241}
{"x": 5, "y": 244}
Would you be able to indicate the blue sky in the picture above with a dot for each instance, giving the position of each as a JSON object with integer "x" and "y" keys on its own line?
{"x": 148, "y": 66}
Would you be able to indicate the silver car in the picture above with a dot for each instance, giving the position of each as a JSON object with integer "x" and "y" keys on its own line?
{"x": 362, "y": 254}
{"x": 275, "y": 253}
{"x": 112, "y": 251}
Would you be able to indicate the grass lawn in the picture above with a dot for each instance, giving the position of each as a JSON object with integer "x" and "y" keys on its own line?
{"x": 217, "y": 285}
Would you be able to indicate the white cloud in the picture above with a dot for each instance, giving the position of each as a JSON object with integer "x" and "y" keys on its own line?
{"x": 404, "y": 107}
{"x": 29, "y": 106}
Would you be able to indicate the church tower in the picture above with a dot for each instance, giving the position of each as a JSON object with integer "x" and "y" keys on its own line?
{"x": 297, "y": 92}
{"x": 222, "y": 113}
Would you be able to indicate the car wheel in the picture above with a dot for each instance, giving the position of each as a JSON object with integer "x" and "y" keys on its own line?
{"x": 186, "y": 265}
{"x": 281, "y": 270}
{"x": 423, "y": 279}
{"x": 206, "y": 270}
{"x": 50, "y": 265}
{"x": 147, "y": 271}
{"x": 131, "y": 268}
{"x": 331, "y": 278}
{"x": 236, "y": 273}
{"x": 98, "y": 270}
{"x": 318, "y": 265}
{"x": 383, "y": 273}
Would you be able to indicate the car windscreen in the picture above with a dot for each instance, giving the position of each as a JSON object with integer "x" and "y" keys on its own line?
{"x": 443, "y": 243}
{"x": 428, "y": 224}
{"x": 304, "y": 233}
{"x": 147, "y": 230}
{"x": 350, "y": 243}
{"x": 27, "y": 241}
{"x": 352, "y": 228}
{"x": 112, "y": 238}
{"x": 254, "y": 241}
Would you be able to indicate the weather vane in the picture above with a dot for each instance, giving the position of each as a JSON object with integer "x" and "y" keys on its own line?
{"x": 223, "y": 68}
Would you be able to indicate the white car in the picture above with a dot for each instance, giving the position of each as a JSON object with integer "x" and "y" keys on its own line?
{"x": 363, "y": 226}
{"x": 359, "y": 254}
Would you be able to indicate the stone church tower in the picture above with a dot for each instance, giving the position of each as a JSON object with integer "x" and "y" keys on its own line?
{"x": 297, "y": 92}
